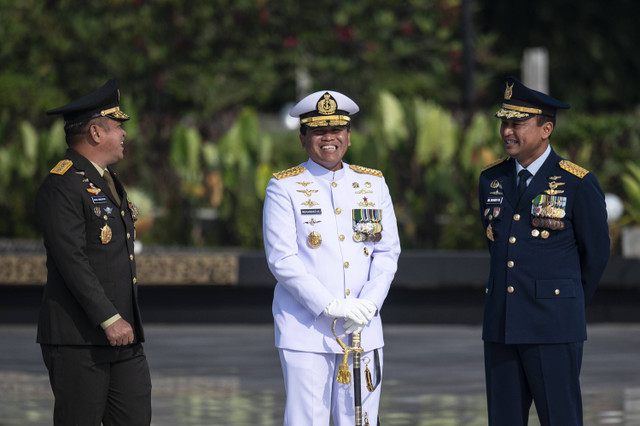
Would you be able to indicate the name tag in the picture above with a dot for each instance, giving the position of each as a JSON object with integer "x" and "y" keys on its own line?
{"x": 311, "y": 211}
{"x": 495, "y": 200}
{"x": 99, "y": 200}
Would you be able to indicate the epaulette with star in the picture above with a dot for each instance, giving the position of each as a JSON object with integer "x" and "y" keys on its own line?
{"x": 293, "y": 171}
{"x": 495, "y": 163}
{"x": 62, "y": 167}
{"x": 572, "y": 168}
{"x": 366, "y": 170}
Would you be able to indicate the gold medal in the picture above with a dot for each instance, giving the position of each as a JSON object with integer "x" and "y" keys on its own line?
{"x": 544, "y": 234}
{"x": 314, "y": 239}
{"x": 105, "y": 234}
{"x": 358, "y": 237}
{"x": 377, "y": 228}
{"x": 535, "y": 233}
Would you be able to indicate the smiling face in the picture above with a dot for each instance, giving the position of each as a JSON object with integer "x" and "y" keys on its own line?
{"x": 111, "y": 141}
{"x": 327, "y": 145}
{"x": 525, "y": 140}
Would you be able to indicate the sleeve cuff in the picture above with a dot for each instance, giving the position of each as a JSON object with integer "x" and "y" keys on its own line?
{"x": 110, "y": 321}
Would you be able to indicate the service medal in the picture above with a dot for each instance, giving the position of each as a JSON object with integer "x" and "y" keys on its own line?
{"x": 544, "y": 234}
{"x": 314, "y": 239}
{"x": 358, "y": 237}
{"x": 105, "y": 234}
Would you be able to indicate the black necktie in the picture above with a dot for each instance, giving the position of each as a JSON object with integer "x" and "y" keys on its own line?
{"x": 112, "y": 186}
{"x": 522, "y": 185}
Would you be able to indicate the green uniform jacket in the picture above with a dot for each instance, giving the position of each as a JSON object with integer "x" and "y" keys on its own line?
{"x": 90, "y": 259}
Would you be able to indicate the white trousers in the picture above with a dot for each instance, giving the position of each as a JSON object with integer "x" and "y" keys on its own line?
{"x": 313, "y": 393}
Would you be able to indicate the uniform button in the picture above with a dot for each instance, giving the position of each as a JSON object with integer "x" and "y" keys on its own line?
{"x": 338, "y": 210}
{"x": 348, "y": 292}
{"x": 510, "y": 289}
{"x": 128, "y": 235}
{"x": 511, "y": 264}
{"x": 341, "y": 237}
{"x": 134, "y": 280}
{"x": 334, "y": 184}
{"x": 105, "y": 217}
{"x": 346, "y": 264}
{"x": 557, "y": 292}
{"x": 122, "y": 213}
{"x": 130, "y": 257}
{"x": 512, "y": 240}
{"x": 516, "y": 216}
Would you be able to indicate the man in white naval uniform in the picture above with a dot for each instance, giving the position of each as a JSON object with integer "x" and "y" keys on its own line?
{"x": 331, "y": 241}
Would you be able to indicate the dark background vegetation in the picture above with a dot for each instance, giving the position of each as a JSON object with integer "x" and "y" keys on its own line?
{"x": 206, "y": 82}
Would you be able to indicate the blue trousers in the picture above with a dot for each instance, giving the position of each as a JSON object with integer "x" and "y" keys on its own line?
{"x": 547, "y": 374}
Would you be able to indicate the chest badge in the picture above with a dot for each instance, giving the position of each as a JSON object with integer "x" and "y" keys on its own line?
{"x": 314, "y": 240}
{"x": 307, "y": 192}
{"x": 105, "y": 234}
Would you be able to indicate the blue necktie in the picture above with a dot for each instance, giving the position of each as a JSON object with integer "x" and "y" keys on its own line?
{"x": 522, "y": 185}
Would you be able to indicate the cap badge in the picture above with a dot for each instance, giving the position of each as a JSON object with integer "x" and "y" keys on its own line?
{"x": 508, "y": 91}
{"x": 326, "y": 105}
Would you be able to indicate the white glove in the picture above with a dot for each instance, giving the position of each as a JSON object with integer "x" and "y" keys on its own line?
{"x": 352, "y": 309}
{"x": 358, "y": 310}
{"x": 370, "y": 307}
{"x": 353, "y": 327}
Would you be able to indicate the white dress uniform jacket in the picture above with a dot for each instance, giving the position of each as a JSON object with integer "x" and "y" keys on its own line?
{"x": 312, "y": 199}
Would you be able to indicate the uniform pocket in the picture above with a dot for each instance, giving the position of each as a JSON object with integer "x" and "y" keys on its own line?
{"x": 552, "y": 289}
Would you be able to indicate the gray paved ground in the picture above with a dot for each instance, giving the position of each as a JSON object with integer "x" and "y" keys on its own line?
{"x": 230, "y": 375}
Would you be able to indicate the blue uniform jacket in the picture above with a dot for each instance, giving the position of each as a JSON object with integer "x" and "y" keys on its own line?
{"x": 548, "y": 251}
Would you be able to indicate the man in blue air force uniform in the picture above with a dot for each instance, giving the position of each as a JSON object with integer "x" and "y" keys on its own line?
{"x": 331, "y": 241}
{"x": 89, "y": 326}
{"x": 546, "y": 227}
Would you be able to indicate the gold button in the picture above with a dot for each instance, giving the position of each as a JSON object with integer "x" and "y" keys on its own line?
{"x": 334, "y": 184}
{"x": 341, "y": 237}
{"x": 105, "y": 217}
{"x": 544, "y": 234}
{"x": 486, "y": 290}
{"x": 134, "y": 280}
{"x": 557, "y": 292}
{"x": 535, "y": 233}
{"x": 128, "y": 235}
{"x": 512, "y": 240}
{"x": 511, "y": 264}
{"x": 130, "y": 257}
{"x": 338, "y": 210}
{"x": 346, "y": 264}
{"x": 122, "y": 213}
{"x": 516, "y": 216}
{"x": 348, "y": 292}
{"x": 510, "y": 289}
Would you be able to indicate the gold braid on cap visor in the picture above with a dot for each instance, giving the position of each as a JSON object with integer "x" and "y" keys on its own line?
{"x": 115, "y": 111}
{"x": 522, "y": 109}
{"x": 329, "y": 120}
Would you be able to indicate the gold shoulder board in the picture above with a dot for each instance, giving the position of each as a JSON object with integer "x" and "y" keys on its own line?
{"x": 495, "y": 163}
{"x": 366, "y": 170}
{"x": 289, "y": 172}
{"x": 574, "y": 169}
{"x": 62, "y": 167}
